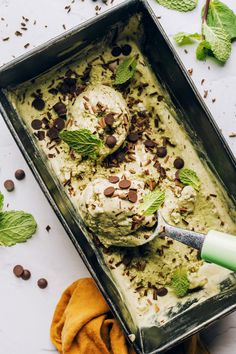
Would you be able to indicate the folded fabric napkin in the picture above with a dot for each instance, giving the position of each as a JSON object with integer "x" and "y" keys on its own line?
{"x": 83, "y": 324}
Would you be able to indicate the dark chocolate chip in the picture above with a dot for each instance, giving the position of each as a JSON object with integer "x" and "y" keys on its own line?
{"x": 42, "y": 283}
{"x": 161, "y": 151}
{"x": 59, "y": 123}
{"x": 126, "y": 49}
{"x": 124, "y": 184}
{"x": 9, "y": 185}
{"x": 162, "y": 291}
{"x": 109, "y": 191}
{"x": 149, "y": 143}
{"x": 179, "y": 163}
{"x": 18, "y": 270}
{"x": 60, "y": 108}
{"x": 116, "y": 51}
{"x": 36, "y": 124}
{"x": 52, "y": 133}
{"x": 132, "y": 196}
{"x": 133, "y": 137}
{"x": 109, "y": 119}
{"x": 20, "y": 174}
{"x": 38, "y": 103}
{"x": 48, "y": 228}
{"x": 26, "y": 274}
{"x": 40, "y": 135}
{"x": 53, "y": 91}
{"x": 113, "y": 179}
{"x": 111, "y": 141}
{"x": 160, "y": 98}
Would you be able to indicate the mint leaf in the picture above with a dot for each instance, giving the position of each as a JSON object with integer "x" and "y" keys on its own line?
{"x": 219, "y": 41}
{"x": 125, "y": 70}
{"x": 203, "y": 50}
{"x": 152, "y": 202}
{"x": 82, "y": 141}
{"x": 179, "y": 5}
{"x": 190, "y": 178}
{"x": 1, "y": 201}
{"x": 16, "y": 227}
{"x": 220, "y": 15}
{"x": 183, "y": 38}
{"x": 180, "y": 282}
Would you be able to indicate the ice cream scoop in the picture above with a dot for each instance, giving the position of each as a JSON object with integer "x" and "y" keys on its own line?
{"x": 214, "y": 247}
{"x": 102, "y": 110}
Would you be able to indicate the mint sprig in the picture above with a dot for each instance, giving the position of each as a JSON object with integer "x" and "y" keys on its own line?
{"x": 218, "y": 30}
{"x": 180, "y": 283}
{"x": 179, "y": 5}
{"x": 152, "y": 202}
{"x": 183, "y": 38}
{"x": 82, "y": 141}
{"x": 125, "y": 70}
{"x": 190, "y": 178}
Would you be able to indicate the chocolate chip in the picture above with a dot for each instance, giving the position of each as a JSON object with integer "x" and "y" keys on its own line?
{"x": 36, "y": 124}
{"x": 161, "y": 151}
{"x": 40, "y": 135}
{"x": 59, "y": 124}
{"x": 26, "y": 274}
{"x": 42, "y": 283}
{"x": 162, "y": 291}
{"x": 149, "y": 143}
{"x": 38, "y": 103}
{"x": 52, "y": 133}
{"x": 111, "y": 141}
{"x": 133, "y": 137}
{"x": 109, "y": 191}
{"x": 109, "y": 119}
{"x": 132, "y": 196}
{"x": 160, "y": 98}
{"x": 124, "y": 184}
{"x": 178, "y": 163}
{"x": 48, "y": 228}
{"x": 9, "y": 185}
{"x": 126, "y": 49}
{"x": 113, "y": 179}
{"x": 18, "y": 270}
{"x": 20, "y": 174}
{"x": 116, "y": 51}
{"x": 60, "y": 109}
{"x": 53, "y": 91}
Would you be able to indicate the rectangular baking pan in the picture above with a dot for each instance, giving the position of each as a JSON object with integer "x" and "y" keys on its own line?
{"x": 195, "y": 116}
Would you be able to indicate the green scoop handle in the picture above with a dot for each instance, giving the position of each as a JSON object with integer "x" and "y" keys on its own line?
{"x": 220, "y": 248}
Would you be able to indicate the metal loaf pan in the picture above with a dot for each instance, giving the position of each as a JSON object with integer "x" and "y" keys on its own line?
{"x": 173, "y": 76}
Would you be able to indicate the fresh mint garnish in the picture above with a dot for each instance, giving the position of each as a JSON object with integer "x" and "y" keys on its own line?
{"x": 152, "y": 202}
{"x": 16, "y": 227}
{"x": 180, "y": 283}
{"x": 126, "y": 70}
{"x": 218, "y": 30}
{"x": 179, "y": 5}
{"x": 1, "y": 201}
{"x": 82, "y": 141}
{"x": 183, "y": 38}
{"x": 190, "y": 178}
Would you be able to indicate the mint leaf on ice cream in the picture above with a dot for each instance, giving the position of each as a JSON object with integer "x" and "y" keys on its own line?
{"x": 125, "y": 70}
{"x": 152, "y": 202}
{"x": 180, "y": 283}
{"x": 190, "y": 178}
{"x": 82, "y": 141}
{"x": 16, "y": 227}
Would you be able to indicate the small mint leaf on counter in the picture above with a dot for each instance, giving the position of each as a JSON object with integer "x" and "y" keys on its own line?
{"x": 190, "y": 178}
{"x": 125, "y": 70}
{"x": 183, "y": 38}
{"x": 179, "y": 5}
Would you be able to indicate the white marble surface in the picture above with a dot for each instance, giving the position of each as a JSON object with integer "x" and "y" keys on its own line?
{"x": 26, "y": 310}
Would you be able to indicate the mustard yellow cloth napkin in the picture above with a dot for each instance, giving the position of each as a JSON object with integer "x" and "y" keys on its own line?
{"x": 82, "y": 324}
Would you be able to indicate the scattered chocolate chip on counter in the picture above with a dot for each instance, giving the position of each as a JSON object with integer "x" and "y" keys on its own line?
{"x": 18, "y": 270}
{"x": 42, "y": 283}
{"x": 9, "y": 185}
{"x": 19, "y": 174}
{"x": 48, "y": 228}
{"x": 26, "y": 274}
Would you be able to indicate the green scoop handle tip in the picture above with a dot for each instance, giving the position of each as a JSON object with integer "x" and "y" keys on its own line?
{"x": 220, "y": 248}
